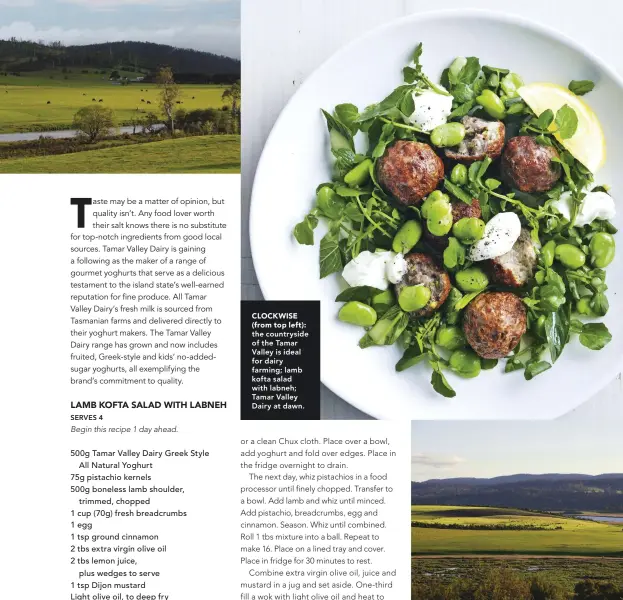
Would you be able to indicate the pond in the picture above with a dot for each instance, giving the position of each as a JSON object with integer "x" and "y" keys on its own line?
{"x": 600, "y": 518}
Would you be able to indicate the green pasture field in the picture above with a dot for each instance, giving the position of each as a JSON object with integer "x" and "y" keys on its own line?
{"x": 202, "y": 154}
{"x": 24, "y": 100}
{"x": 577, "y": 537}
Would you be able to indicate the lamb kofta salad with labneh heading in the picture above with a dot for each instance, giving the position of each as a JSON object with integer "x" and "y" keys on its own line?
{"x": 465, "y": 219}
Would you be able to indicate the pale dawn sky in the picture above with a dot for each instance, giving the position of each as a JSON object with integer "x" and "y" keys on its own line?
{"x": 208, "y": 25}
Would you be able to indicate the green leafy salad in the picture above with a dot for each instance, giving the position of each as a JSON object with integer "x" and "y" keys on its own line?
{"x": 465, "y": 219}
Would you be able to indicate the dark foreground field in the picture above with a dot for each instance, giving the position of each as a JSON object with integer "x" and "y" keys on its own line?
{"x": 202, "y": 154}
{"x": 504, "y": 578}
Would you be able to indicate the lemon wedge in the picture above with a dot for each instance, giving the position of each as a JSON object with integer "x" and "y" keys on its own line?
{"x": 588, "y": 144}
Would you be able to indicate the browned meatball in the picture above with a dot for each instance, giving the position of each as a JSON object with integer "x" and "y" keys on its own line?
{"x": 494, "y": 323}
{"x": 422, "y": 269}
{"x": 409, "y": 171}
{"x": 528, "y": 166}
{"x": 460, "y": 210}
{"x": 515, "y": 268}
{"x": 482, "y": 138}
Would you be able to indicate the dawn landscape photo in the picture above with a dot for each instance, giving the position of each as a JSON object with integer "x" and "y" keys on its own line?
{"x": 517, "y": 511}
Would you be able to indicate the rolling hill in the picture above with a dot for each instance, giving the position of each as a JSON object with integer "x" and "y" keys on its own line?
{"x": 551, "y": 492}
{"x": 142, "y": 58}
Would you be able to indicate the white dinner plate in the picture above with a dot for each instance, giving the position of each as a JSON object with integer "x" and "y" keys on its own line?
{"x": 296, "y": 159}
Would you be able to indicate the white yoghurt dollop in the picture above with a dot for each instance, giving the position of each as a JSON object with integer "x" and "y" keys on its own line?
{"x": 396, "y": 268}
{"x": 500, "y": 235}
{"x": 368, "y": 268}
{"x": 431, "y": 109}
{"x": 596, "y": 205}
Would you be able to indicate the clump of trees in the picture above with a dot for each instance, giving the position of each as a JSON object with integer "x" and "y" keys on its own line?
{"x": 209, "y": 121}
{"x": 484, "y": 526}
{"x": 94, "y": 122}
{"x": 489, "y": 584}
{"x": 594, "y": 590}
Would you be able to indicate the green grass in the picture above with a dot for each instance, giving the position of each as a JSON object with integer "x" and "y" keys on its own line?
{"x": 562, "y": 571}
{"x": 203, "y": 154}
{"x": 577, "y": 537}
{"x": 23, "y": 100}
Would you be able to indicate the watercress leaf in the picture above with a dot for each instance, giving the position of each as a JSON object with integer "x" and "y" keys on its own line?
{"x": 576, "y": 326}
{"x": 462, "y": 109}
{"x": 457, "y": 192}
{"x": 412, "y": 356}
{"x": 407, "y": 105}
{"x": 513, "y": 364}
{"x": 556, "y": 333}
{"x": 465, "y": 300}
{"x": 417, "y": 54}
{"x": 385, "y": 107}
{"x": 595, "y": 336}
{"x": 488, "y": 363}
{"x": 330, "y": 255}
{"x": 441, "y": 386}
{"x": 449, "y": 308}
{"x": 470, "y": 70}
{"x": 484, "y": 165}
{"x": 347, "y": 114}
{"x": 564, "y": 165}
{"x": 345, "y": 160}
{"x": 462, "y": 93}
{"x": 340, "y": 134}
{"x": 543, "y": 140}
{"x": 410, "y": 75}
{"x": 347, "y": 192}
{"x": 566, "y": 121}
{"x": 389, "y": 327}
{"x": 366, "y": 342}
{"x": 360, "y": 293}
{"x": 472, "y": 172}
{"x": 480, "y": 83}
{"x": 581, "y": 87}
{"x": 599, "y": 304}
{"x": 555, "y": 279}
{"x": 304, "y": 231}
{"x": 353, "y": 212}
{"x": 380, "y": 148}
{"x": 534, "y": 368}
{"x": 545, "y": 119}
{"x": 488, "y": 70}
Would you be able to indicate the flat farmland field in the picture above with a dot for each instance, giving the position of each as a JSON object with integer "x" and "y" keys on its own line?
{"x": 24, "y": 100}
{"x": 460, "y": 530}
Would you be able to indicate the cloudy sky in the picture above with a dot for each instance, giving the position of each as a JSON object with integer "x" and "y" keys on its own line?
{"x": 210, "y": 25}
{"x": 441, "y": 450}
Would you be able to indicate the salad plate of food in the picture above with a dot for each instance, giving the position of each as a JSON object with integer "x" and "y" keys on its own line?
{"x": 445, "y": 186}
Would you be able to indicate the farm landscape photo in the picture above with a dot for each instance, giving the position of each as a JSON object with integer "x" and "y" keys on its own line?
{"x": 90, "y": 103}
{"x": 517, "y": 511}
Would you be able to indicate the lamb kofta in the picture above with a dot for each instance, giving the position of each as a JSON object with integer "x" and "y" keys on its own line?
{"x": 409, "y": 171}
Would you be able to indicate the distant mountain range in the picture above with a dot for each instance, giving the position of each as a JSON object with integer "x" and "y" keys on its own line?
{"x": 550, "y": 492}
{"x": 139, "y": 57}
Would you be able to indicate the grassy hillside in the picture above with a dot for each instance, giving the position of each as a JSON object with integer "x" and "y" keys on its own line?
{"x": 138, "y": 57}
{"x": 205, "y": 154}
{"x": 554, "y": 492}
{"x": 24, "y": 100}
{"x": 552, "y": 535}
